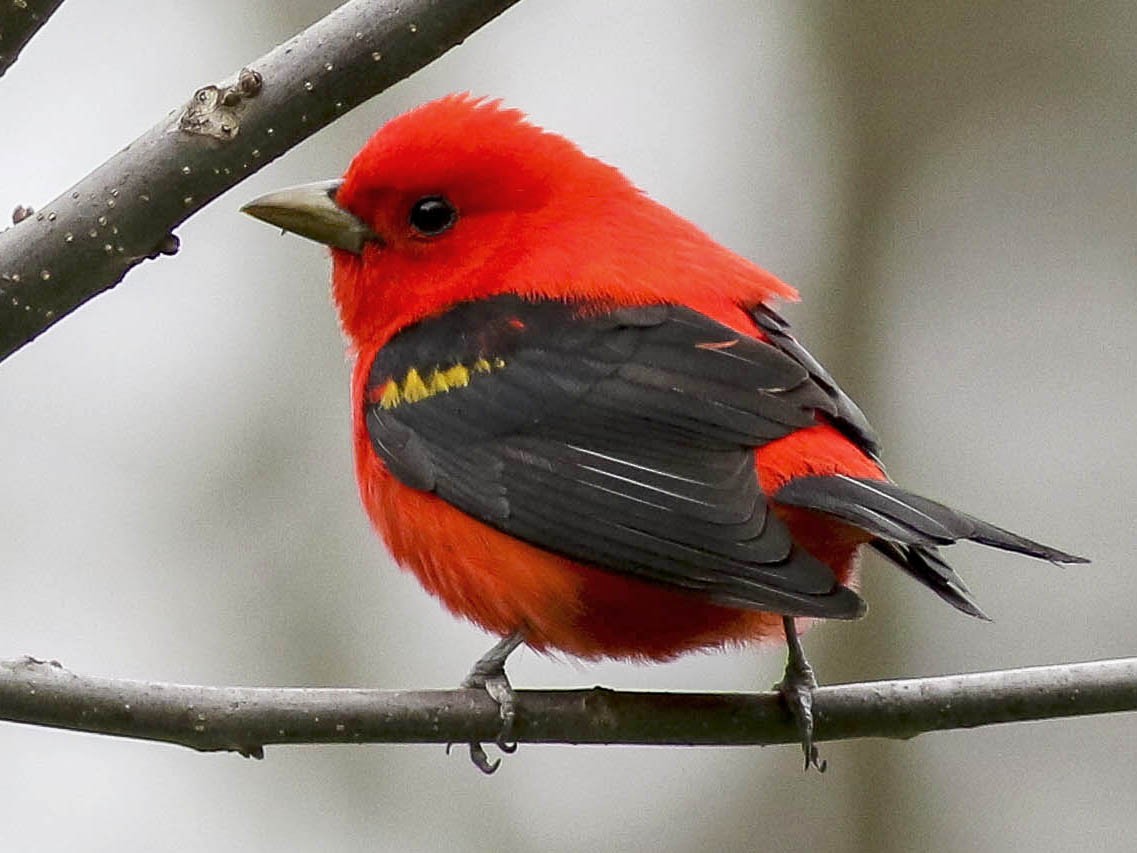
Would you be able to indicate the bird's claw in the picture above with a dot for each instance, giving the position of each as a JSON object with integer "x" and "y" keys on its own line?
{"x": 796, "y": 688}
{"x": 497, "y": 685}
{"x": 798, "y": 696}
{"x": 479, "y": 758}
{"x": 482, "y": 761}
{"x": 489, "y": 674}
{"x": 501, "y": 692}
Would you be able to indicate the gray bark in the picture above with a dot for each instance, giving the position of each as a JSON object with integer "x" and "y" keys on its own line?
{"x": 246, "y": 719}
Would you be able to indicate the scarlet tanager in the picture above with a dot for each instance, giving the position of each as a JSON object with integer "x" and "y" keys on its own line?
{"x": 579, "y": 421}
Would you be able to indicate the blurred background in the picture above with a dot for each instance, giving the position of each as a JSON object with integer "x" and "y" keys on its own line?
{"x": 950, "y": 186}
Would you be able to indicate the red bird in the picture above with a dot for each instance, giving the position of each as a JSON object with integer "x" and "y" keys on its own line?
{"x": 579, "y": 421}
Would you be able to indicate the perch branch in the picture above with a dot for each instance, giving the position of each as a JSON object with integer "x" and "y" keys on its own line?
{"x": 245, "y": 719}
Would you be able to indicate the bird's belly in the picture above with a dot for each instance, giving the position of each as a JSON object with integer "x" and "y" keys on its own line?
{"x": 505, "y": 585}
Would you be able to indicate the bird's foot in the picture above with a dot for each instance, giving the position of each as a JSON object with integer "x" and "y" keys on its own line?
{"x": 489, "y": 674}
{"x": 501, "y": 691}
{"x": 796, "y": 688}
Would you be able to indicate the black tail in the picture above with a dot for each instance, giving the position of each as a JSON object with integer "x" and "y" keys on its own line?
{"x": 909, "y": 528}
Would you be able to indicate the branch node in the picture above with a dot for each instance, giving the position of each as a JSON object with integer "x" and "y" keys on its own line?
{"x": 168, "y": 245}
{"x": 33, "y": 664}
{"x": 249, "y": 82}
{"x": 214, "y": 111}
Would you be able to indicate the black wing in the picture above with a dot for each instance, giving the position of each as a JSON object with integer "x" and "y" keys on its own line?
{"x": 847, "y": 415}
{"x": 624, "y": 439}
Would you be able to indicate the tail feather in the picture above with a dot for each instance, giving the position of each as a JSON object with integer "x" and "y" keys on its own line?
{"x": 927, "y": 566}
{"x": 909, "y": 528}
{"x": 997, "y": 537}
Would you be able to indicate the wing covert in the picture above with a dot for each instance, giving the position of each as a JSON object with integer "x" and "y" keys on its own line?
{"x": 847, "y": 415}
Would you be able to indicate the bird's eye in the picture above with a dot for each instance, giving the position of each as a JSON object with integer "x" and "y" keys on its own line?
{"x": 432, "y": 215}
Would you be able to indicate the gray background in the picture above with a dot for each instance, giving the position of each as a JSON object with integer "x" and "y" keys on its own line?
{"x": 951, "y": 189}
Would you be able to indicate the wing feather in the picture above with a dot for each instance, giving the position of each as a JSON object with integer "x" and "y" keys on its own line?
{"x": 624, "y": 439}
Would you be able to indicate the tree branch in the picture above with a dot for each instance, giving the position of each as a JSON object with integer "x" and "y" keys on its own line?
{"x": 245, "y": 719}
{"x": 19, "y": 21}
{"x": 85, "y": 241}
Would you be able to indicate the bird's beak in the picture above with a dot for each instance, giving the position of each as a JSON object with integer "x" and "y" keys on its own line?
{"x": 310, "y": 210}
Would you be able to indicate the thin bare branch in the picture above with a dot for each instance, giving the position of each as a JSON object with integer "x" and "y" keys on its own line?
{"x": 245, "y": 719}
{"x": 19, "y": 21}
{"x": 85, "y": 241}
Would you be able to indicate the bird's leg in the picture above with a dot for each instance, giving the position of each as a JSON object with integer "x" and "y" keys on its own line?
{"x": 489, "y": 674}
{"x": 797, "y": 688}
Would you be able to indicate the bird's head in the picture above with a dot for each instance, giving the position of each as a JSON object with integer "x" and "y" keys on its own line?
{"x": 462, "y": 198}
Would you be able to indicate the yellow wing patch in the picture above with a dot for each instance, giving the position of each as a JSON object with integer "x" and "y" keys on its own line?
{"x": 414, "y": 387}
